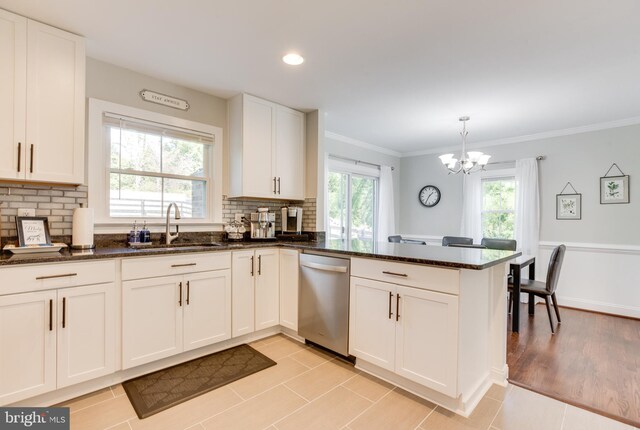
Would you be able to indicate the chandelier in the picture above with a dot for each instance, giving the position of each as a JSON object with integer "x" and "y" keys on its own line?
{"x": 469, "y": 162}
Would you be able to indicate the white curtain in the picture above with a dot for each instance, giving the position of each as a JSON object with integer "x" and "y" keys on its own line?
{"x": 472, "y": 207}
{"x": 527, "y": 206}
{"x": 386, "y": 207}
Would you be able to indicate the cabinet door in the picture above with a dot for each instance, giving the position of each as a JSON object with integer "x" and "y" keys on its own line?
{"x": 13, "y": 93}
{"x": 86, "y": 333}
{"x": 151, "y": 320}
{"x": 372, "y": 322}
{"x": 267, "y": 291}
{"x": 28, "y": 351}
{"x": 257, "y": 148}
{"x": 290, "y": 153}
{"x": 289, "y": 281}
{"x": 242, "y": 294}
{"x": 207, "y": 308}
{"x": 55, "y": 105}
{"x": 427, "y": 339}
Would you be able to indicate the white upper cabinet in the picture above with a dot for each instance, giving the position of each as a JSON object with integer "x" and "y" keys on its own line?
{"x": 13, "y": 92}
{"x": 266, "y": 149}
{"x": 42, "y": 102}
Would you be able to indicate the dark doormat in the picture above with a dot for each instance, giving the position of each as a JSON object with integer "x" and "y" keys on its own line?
{"x": 157, "y": 391}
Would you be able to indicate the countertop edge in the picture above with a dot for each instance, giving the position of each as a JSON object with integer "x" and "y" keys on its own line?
{"x": 131, "y": 253}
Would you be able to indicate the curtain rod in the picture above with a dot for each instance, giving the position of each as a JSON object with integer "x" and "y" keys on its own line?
{"x": 538, "y": 158}
{"x": 353, "y": 160}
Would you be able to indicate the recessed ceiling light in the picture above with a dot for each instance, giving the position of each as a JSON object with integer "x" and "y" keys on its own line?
{"x": 293, "y": 59}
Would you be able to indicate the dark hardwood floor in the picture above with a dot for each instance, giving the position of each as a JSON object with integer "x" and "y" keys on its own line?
{"x": 593, "y": 360}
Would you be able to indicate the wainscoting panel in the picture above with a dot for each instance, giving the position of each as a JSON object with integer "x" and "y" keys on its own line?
{"x": 598, "y": 277}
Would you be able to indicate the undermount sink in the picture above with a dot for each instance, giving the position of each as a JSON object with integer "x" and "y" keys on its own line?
{"x": 182, "y": 246}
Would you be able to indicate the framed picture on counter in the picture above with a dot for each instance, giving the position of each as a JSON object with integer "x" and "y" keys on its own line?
{"x": 33, "y": 230}
{"x": 569, "y": 206}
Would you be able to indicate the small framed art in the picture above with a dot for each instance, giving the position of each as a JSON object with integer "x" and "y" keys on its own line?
{"x": 33, "y": 231}
{"x": 614, "y": 189}
{"x": 569, "y": 206}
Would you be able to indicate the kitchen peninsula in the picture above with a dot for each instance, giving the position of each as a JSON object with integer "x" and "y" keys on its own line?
{"x": 429, "y": 319}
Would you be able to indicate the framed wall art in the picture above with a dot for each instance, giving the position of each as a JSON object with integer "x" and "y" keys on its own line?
{"x": 569, "y": 206}
{"x": 33, "y": 231}
{"x": 614, "y": 189}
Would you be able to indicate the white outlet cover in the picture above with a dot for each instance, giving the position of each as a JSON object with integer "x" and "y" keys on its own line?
{"x": 26, "y": 212}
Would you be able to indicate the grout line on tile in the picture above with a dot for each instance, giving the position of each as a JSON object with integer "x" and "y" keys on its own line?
{"x": 370, "y": 406}
{"x": 358, "y": 394}
{"x": 496, "y": 415}
{"x": 564, "y": 414}
{"x": 301, "y": 363}
{"x": 92, "y": 405}
{"x": 296, "y": 393}
{"x": 419, "y": 426}
{"x": 236, "y": 393}
{"x": 117, "y": 424}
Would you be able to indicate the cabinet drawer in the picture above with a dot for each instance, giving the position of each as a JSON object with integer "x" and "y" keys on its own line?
{"x": 151, "y": 267}
{"x": 59, "y": 275}
{"x": 413, "y": 275}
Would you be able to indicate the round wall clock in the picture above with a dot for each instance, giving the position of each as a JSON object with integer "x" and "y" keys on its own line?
{"x": 429, "y": 196}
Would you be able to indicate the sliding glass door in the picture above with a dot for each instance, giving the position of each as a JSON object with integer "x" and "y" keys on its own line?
{"x": 352, "y": 203}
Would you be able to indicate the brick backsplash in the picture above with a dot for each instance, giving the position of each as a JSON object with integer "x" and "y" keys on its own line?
{"x": 231, "y": 207}
{"x": 56, "y": 203}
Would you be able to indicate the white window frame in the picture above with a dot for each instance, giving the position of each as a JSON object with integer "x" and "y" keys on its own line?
{"x": 352, "y": 169}
{"x": 499, "y": 174}
{"x": 99, "y": 169}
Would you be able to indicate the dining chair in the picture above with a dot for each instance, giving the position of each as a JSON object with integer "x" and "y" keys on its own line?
{"x": 448, "y": 240}
{"x": 545, "y": 290}
{"x": 399, "y": 239}
{"x": 502, "y": 244}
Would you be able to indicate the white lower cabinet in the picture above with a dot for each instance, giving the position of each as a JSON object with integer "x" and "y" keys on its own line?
{"x": 255, "y": 290}
{"x": 409, "y": 331}
{"x": 289, "y": 281}
{"x": 86, "y": 333}
{"x": 55, "y": 338}
{"x": 28, "y": 339}
{"x": 165, "y": 316}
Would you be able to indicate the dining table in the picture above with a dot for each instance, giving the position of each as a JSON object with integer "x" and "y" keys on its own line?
{"x": 516, "y": 266}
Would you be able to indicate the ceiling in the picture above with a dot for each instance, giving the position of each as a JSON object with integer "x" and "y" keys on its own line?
{"x": 393, "y": 73}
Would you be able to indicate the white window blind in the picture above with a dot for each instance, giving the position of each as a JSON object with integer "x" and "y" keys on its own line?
{"x": 151, "y": 165}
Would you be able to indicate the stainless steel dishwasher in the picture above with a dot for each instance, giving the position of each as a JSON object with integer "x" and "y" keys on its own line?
{"x": 323, "y": 311}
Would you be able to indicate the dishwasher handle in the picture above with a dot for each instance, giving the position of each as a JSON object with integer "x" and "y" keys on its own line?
{"x": 324, "y": 267}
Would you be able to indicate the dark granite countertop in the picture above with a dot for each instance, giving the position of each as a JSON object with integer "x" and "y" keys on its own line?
{"x": 459, "y": 258}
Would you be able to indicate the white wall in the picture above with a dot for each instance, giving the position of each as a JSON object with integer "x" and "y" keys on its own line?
{"x": 603, "y": 247}
{"x": 343, "y": 149}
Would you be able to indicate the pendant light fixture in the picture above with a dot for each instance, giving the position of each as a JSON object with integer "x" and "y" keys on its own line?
{"x": 469, "y": 162}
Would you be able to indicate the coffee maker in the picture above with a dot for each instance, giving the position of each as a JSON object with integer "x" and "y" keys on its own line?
{"x": 263, "y": 224}
{"x": 291, "y": 220}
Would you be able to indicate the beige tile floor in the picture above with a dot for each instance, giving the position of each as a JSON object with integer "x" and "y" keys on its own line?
{"x": 309, "y": 389}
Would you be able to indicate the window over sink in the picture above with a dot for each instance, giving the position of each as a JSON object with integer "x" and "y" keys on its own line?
{"x": 141, "y": 161}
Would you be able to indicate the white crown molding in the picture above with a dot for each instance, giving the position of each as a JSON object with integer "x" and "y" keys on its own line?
{"x": 529, "y": 137}
{"x": 361, "y": 144}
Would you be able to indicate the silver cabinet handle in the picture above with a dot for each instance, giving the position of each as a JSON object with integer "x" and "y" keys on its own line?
{"x": 180, "y": 293}
{"x": 274, "y": 185}
{"x": 278, "y": 185}
{"x": 252, "y": 265}
{"x": 397, "y": 307}
{"x": 325, "y": 267}
{"x": 188, "y": 291}
{"x": 390, "y": 297}
{"x": 259, "y": 265}
{"x": 404, "y": 275}
{"x": 184, "y": 265}
{"x": 31, "y": 161}
{"x": 64, "y": 312}
{"x": 66, "y": 275}
{"x": 19, "y": 155}
{"x": 50, "y": 315}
